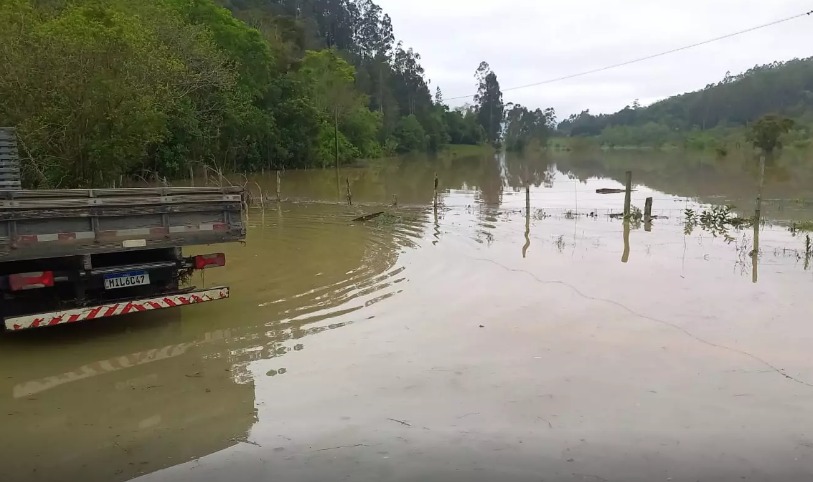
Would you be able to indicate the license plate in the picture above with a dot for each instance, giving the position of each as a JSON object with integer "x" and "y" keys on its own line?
{"x": 126, "y": 280}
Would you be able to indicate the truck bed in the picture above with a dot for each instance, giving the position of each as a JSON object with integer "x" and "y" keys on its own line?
{"x": 69, "y": 222}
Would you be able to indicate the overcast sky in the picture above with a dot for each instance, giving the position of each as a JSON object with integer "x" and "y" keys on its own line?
{"x": 527, "y": 41}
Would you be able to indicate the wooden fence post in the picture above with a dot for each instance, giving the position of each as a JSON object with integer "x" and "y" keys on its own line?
{"x": 628, "y": 195}
{"x": 761, "y": 186}
{"x": 279, "y": 188}
{"x": 349, "y": 194}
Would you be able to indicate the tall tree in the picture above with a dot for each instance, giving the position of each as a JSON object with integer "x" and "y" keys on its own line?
{"x": 489, "y": 100}
{"x": 329, "y": 80}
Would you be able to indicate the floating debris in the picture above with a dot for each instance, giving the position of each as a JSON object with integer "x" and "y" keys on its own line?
{"x": 611, "y": 191}
{"x": 368, "y": 217}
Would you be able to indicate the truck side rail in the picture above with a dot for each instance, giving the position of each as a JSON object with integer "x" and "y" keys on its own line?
{"x": 82, "y": 198}
{"x": 53, "y": 223}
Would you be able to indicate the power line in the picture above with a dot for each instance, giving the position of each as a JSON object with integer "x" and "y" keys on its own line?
{"x": 649, "y": 57}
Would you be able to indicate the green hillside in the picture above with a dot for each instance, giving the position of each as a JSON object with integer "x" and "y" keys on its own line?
{"x": 708, "y": 116}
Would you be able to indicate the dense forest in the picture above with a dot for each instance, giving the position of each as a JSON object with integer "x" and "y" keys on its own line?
{"x": 100, "y": 89}
{"x": 710, "y": 117}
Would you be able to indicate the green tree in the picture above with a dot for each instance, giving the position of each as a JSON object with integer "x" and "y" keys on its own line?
{"x": 437, "y": 132}
{"x": 101, "y": 89}
{"x": 91, "y": 87}
{"x": 329, "y": 81}
{"x": 463, "y": 127}
{"x": 489, "y": 100}
{"x": 524, "y": 127}
{"x": 766, "y": 133}
{"x": 361, "y": 127}
{"x": 410, "y": 135}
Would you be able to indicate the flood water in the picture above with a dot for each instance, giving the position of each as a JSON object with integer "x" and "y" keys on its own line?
{"x": 479, "y": 341}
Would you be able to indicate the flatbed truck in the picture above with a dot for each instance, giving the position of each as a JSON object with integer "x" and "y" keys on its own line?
{"x": 71, "y": 255}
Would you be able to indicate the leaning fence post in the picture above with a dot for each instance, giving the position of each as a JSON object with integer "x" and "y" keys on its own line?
{"x": 761, "y": 186}
{"x": 435, "y": 202}
{"x": 279, "y": 187}
{"x": 628, "y": 195}
{"x": 349, "y": 194}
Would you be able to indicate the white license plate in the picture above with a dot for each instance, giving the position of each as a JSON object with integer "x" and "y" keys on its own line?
{"x": 126, "y": 280}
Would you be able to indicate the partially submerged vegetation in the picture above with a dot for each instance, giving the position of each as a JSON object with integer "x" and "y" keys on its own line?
{"x": 801, "y": 227}
{"x": 718, "y": 221}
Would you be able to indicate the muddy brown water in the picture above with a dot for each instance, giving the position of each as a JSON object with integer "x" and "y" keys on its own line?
{"x": 478, "y": 341}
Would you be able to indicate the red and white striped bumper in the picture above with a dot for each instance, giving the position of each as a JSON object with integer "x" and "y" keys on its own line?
{"x": 114, "y": 309}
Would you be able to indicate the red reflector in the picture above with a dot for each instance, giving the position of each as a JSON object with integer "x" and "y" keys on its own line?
{"x": 29, "y": 281}
{"x": 210, "y": 261}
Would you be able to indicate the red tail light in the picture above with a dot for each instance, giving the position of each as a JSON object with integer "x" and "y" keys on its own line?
{"x": 30, "y": 281}
{"x": 210, "y": 261}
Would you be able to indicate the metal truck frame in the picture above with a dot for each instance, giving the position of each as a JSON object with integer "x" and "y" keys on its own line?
{"x": 81, "y": 254}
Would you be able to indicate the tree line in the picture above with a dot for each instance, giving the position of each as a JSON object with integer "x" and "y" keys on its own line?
{"x": 703, "y": 118}
{"x": 104, "y": 89}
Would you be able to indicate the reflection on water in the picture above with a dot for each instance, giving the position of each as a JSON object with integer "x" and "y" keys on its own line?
{"x": 626, "y": 256}
{"x": 106, "y": 403}
{"x": 755, "y": 250}
{"x": 527, "y": 222}
{"x": 340, "y": 322}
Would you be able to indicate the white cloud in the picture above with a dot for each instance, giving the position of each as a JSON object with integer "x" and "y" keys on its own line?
{"x": 528, "y": 41}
